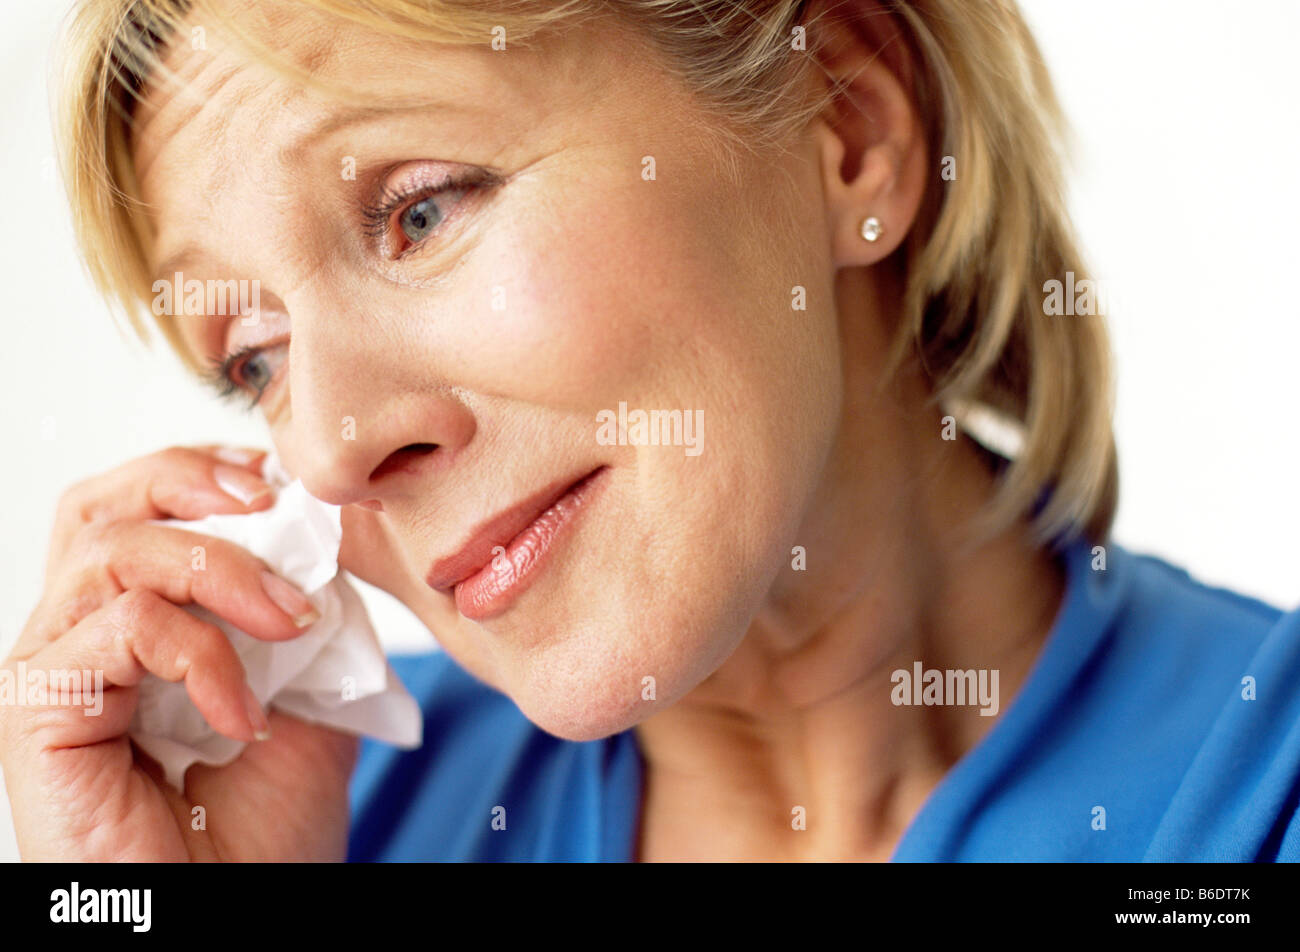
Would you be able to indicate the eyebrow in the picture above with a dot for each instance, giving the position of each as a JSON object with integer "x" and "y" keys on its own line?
{"x": 340, "y": 119}
{"x": 290, "y": 153}
{"x": 168, "y": 268}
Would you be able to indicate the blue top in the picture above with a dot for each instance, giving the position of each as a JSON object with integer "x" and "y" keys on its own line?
{"x": 1138, "y": 704}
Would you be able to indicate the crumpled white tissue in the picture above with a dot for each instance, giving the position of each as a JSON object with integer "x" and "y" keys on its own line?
{"x": 334, "y": 673}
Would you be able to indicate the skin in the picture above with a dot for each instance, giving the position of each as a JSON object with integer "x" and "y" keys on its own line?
{"x": 772, "y": 685}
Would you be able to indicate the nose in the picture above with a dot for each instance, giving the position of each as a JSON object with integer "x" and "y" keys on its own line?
{"x": 362, "y": 430}
{"x": 386, "y": 445}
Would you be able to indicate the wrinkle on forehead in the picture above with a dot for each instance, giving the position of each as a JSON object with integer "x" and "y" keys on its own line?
{"x": 172, "y": 104}
{"x": 333, "y": 60}
{"x": 194, "y": 78}
{"x": 208, "y": 103}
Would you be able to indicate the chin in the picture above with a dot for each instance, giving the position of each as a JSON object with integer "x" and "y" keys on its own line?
{"x": 583, "y": 681}
{"x": 639, "y": 606}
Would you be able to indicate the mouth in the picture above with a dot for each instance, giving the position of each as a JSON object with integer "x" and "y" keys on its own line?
{"x": 505, "y": 554}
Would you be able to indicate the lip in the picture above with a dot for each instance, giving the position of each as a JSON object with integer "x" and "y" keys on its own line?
{"x": 485, "y": 586}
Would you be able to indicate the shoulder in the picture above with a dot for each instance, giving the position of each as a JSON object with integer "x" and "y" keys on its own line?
{"x": 486, "y": 784}
{"x": 1161, "y": 721}
{"x": 1139, "y": 637}
{"x": 1201, "y": 685}
{"x": 1191, "y": 646}
{"x": 1167, "y": 598}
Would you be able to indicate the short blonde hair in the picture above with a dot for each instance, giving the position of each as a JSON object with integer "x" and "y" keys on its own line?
{"x": 976, "y": 260}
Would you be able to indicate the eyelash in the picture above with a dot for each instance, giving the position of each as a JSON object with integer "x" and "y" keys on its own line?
{"x": 378, "y": 216}
{"x": 218, "y": 376}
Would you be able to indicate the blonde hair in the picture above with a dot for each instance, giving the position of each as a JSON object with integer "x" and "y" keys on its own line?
{"x": 975, "y": 261}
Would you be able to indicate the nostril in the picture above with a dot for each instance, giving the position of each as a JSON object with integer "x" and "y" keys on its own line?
{"x": 402, "y": 459}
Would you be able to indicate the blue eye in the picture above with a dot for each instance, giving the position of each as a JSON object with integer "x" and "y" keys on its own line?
{"x": 420, "y": 219}
{"x": 399, "y": 221}
{"x": 249, "y": 370}
{"x": 256, "y": 371}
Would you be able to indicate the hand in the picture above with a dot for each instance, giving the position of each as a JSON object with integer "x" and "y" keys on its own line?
{"x": 112, "y": 601}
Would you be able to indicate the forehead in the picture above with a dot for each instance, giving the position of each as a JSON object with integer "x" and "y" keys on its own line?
{"x": 217, "y": 106}
{"x": 209, "y": 79}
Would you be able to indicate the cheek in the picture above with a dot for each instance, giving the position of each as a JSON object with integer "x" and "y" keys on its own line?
{"x": 624, "y": 301}
{"x": 624, "y": 289}
{"x": 573, "y": 302}
{"x": 660, "y": 298}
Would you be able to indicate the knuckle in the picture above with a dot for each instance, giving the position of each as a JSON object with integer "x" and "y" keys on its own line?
{"x": 86, "y": 502}
{"x": 137, "y": 609}
{"x": 134, "y": 614}
{"x": 205, "y": 648}
{"x": 98, "y": 533}
{"x": 174, "y": 456}
{"x": 94, "y": 543}
{"x": 8, "y": 717}
{"x": 71, "y": 500}
{"x": 67, "y": 611}
{"x": 234, "y": 553}
{"x": 228, "y": 557}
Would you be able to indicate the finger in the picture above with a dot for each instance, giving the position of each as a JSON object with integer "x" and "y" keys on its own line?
{"x": 249, "y": 457}
{"x": 175, "y": 483}
{"x": 183, "y": 567}
{"x": 139, "y": 633}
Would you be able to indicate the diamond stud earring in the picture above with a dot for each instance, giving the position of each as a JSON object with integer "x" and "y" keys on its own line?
{"x": 871, "y": 228}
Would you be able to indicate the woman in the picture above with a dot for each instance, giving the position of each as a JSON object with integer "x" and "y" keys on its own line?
{"x": 644, "y": 344}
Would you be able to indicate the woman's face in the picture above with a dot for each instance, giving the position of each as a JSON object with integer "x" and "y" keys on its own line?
{"x": 444, "y": 356}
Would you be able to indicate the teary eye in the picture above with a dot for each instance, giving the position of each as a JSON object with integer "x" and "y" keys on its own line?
{"x": 257, "y": 371}
{"x": 249, "y": 370}
{"x": 402, "y": 220}
{"x": 420, "y": 219}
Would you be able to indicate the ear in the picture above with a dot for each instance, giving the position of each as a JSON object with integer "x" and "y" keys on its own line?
{"x": 870, "y": 137}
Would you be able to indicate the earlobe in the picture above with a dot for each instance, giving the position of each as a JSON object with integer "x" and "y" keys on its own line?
{"x": 863, "y": 231}
{"x": 873, "y": 152}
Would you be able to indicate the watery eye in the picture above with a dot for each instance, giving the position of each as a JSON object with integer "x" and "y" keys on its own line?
{"x": 258, "y": 370}
{"x": 405, "y": 218}
{"x": 420, "y": 219}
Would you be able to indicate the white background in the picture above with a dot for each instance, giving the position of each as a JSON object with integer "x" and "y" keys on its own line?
{"x": 1185, "y": 189}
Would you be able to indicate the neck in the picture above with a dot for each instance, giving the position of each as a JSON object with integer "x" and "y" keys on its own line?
{"x": 802, "y": 713}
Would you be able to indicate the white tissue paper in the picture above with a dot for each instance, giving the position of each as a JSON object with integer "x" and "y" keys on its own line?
{"x": 334, "y": 673}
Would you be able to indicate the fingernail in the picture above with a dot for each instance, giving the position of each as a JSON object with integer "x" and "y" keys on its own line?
{"x": 256, "y": 716}
{"x": 240, "y": 457}
{"x": 240, "y": 483}
{"x": 293, "y": 602}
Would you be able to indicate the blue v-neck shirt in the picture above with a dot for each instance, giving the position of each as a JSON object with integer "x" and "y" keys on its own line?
{"x": 1138, "y": 735}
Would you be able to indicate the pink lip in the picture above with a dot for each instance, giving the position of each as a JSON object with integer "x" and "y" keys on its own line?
{"x": 487, "y": 582}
